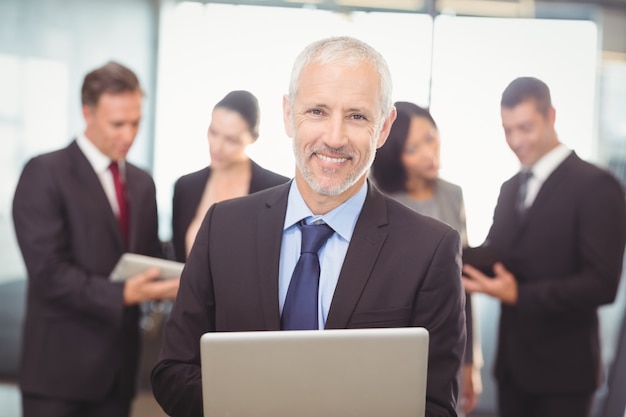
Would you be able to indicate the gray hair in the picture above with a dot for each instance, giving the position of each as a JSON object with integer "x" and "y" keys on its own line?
{"x": 350, "y": 51}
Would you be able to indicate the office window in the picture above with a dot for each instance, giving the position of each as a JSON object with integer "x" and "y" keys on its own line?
{"x": 471, "y": 68}
{"x": 209, "y": 50}
{"x": 31, "y": 121}
{"x": 45, "y": 51}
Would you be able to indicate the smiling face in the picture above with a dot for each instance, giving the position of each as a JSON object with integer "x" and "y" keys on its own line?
{"x": 113, "y": 122}
{"x": 336, "y": 124}
{"x": 420, "y": 156}
{"x": 529, "y": 133}
{"x": 229, "y": 136}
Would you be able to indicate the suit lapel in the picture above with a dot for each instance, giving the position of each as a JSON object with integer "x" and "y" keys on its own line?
{"x": 132, "y": 193}
{"x": 269, "y": 238}
{"x": 195, "y": 195}
{"x": 365, "y": 245}
{"x": 100, "y": 206}
{"x": 551, "y": 186}
{"x": 549, "y": 190}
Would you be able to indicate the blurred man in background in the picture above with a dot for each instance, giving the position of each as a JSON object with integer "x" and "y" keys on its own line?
{"x": 558, "y": 233}
{"x": 76, "y": 211}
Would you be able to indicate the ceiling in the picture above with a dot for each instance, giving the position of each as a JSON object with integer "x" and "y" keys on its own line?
{"x": 523, "y": 8}
{"x": 471, "y": 7}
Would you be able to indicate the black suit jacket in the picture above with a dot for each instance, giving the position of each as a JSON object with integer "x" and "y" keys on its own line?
{"x": 566, "y": 255}
{"x": 188, "y": 192}
{"x": 401, "y": 269}
{"x": 78, "y": 337}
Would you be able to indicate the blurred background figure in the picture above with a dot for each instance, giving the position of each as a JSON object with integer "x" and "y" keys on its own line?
{"x": 76, "y": 211}
{"x": 407, "y": 169}
{"x": 234, "y": 125}
{"x": 558, "y": 236}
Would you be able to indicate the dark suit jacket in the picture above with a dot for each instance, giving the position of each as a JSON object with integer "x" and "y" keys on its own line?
{"x": 188, "y": 192}
{"x": 78, "y": 337}
{"x": 567, "y": 257}
{"x": 401, "y": 269}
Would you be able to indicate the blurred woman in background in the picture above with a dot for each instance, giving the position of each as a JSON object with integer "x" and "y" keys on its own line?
{"x": 234, "y": 125}
{"x": 407, "y": 169}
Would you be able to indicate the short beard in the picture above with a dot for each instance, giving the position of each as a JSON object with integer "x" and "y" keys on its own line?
{"x": 333, "y": 189}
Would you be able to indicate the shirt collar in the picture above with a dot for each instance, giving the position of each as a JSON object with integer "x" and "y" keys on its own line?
{"x": 99, "y": 161}
{"x": 342, "y": 218}
{"x": 549, "y": 162}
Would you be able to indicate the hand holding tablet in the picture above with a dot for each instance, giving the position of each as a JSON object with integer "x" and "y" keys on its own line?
{"x": 482, "y": 258}
{"x": 131, "y": 264}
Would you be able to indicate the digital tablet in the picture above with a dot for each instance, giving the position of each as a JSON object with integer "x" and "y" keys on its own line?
{"x": 131, "y": 264}
{"x": 481, "y": 258}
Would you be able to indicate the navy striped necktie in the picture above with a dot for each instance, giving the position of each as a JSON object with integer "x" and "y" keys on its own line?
{"x": 300, "y": 309}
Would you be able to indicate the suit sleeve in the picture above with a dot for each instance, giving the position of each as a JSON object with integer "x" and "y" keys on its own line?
{"x": 176, "y": 378}
{"x": 43, "y": 226}
{"x": 440, "y": 307}
{"x": 601, "y": 236}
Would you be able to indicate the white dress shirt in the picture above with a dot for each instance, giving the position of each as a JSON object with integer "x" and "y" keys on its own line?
{"x": 100, "y": 164}
{"x": 542, "y": 170}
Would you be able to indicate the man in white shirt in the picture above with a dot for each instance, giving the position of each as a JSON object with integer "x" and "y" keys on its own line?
{"x": 559, "y": 230}
{"x": 76, "y": 211}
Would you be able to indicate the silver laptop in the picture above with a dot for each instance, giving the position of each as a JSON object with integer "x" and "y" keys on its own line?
{"x": 330, "y": 373}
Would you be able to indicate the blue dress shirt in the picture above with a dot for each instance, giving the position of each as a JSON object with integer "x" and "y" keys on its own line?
{"x": 342, "y": 219}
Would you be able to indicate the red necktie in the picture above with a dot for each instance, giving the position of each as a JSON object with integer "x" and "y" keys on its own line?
{"x": 122, "y": 203}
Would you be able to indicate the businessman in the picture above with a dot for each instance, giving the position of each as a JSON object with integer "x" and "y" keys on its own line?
{"x": 76, "y": 211}
{"x": 382, "y": 265}
{"x": 558, "y": 231}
